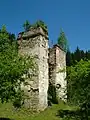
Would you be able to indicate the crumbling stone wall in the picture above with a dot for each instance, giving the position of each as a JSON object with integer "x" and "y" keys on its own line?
{"x": 51, "y": 68}
{"x": 57, "y": 70}
{"x": 35, "y": 43}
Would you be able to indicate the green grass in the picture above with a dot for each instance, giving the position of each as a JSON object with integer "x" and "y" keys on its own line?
{"x": 8, "y": 111}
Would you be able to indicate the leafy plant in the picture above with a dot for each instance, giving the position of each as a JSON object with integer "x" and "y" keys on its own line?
{"x": 12, "y": 68}
{"x": 78, "y": 77}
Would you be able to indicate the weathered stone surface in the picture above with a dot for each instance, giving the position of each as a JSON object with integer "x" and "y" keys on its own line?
{"x": 34, "y": 32}
{"x": 35, "y": 43}
{"x": 57, "y": 70}
{"x": 36, "y": 91}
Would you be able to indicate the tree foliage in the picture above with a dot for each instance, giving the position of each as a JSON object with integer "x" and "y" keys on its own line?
{"x": 26, "y": 25}
{"x": 77, "y": 55}
{"x": 12, "y": 68}
{"x": 78, "y": 77}
{"x": 62, "y": 41}
{"x": 68, "y": 58}
{"x": 38, "y": 23}
{"x": 41, "y": 24}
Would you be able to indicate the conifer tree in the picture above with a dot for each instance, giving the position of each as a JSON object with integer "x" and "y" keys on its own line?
{"x": 62, "y": 41}
{"x": 68, "y": 58}
{"x": 26, "y": 25}
{"x": 77, "y": 54}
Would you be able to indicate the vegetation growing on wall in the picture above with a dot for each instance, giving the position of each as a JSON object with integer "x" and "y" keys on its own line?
{"x": 52, "y": 98}
{"x": 37, "y": 24}
{"x": 26, "y": 25}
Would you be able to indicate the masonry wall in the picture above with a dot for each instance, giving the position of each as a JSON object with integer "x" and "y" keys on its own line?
{"x": 36, "y": 45}
{"x": 52, "y": 66}
{"x": 43, "y": 73}
{"x": 58, "y": 73}
{"x": 61, "y": 73}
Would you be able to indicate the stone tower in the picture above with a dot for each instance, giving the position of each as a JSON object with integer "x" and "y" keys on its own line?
{"x": 57, "y": 70}
{"x": 35, "y": 43}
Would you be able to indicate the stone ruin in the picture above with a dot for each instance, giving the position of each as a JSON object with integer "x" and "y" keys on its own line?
{"x": 51, "y": 64}
{"x": 57, "y": 71}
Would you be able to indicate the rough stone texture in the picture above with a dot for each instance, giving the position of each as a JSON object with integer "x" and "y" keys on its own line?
{"x": 52, "y": 66}
{"x": 35, "y": 43}
{"x": 57, "y": 70}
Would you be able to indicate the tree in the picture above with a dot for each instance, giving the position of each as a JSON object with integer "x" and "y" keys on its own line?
{"x": 4, "y": 38}
{"x": 26, "y": 25}
{"x": 69, "y": 58}
{"x": 78, "y": 77}
{"x": 77, "y": 54}
{"x": 82, "y": 55}
{"x": 3, "y": 30}
{"x": 87, "y": 55}
{"x": 12, "y": 68}
{"x": 62, "y": 41}
{"x": 12, "y": 38}
{"x": 41, "y": 24}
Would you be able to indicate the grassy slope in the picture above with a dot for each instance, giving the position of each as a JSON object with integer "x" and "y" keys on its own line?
{"x": 7, "y": 111}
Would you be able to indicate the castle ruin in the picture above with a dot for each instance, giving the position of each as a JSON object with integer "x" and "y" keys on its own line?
{"x": 57, "y": 71}
{"x": 49, "y": 61}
